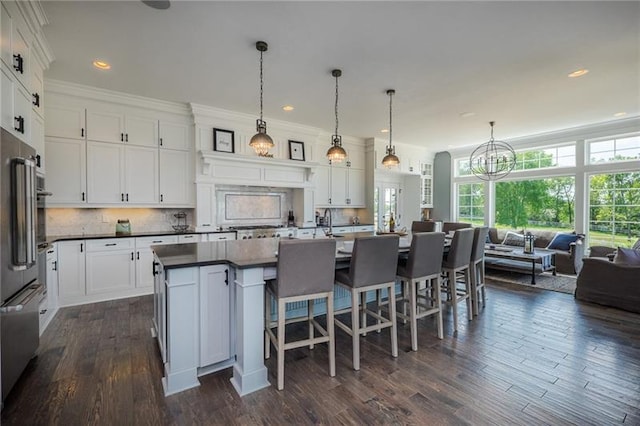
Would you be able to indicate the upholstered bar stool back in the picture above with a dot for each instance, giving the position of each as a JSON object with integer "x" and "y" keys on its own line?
{"x": 455, "y": 263}
{"x": 305, "y": 272}
{"x": 476, "y": 267}
{"x": 373, "y": 267}
{"x": 423, "y": 264}
{"x": 422, "y": 226}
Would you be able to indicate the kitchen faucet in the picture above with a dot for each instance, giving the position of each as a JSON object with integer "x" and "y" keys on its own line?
{"x": 328, "y": 220}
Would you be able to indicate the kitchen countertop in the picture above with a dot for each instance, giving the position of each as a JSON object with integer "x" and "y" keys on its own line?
{"x": 53, "y": 239}
{"x": 239, "y": 253}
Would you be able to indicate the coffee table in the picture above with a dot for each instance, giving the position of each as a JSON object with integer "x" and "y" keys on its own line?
{"x": 546, "y": 259}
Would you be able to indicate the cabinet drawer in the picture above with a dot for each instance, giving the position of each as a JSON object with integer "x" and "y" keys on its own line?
{"x": 110, "y": 244}
{"x": 220, "y": 236}
{"x": 189, "y": 238}
{"x": 146, "y": 242}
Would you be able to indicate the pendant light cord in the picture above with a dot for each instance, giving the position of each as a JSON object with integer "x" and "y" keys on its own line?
{"x": 390, "y": 118}
{"x": 336, "y": 105}
{"x": 261, "y": 84}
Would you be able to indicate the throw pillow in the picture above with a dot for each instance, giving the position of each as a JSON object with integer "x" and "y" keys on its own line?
{"x": 627, "y": 256}
{"x": 562, "y": 241}
{"x": 513, "y": 239}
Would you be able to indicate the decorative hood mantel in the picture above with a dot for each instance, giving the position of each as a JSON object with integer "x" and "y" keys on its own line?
{"x": 257, "y": 171}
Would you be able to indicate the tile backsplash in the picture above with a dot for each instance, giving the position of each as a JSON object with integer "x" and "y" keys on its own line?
{"x": 67, "y": 221}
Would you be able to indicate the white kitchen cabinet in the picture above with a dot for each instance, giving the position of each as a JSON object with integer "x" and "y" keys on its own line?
{"x": 117, "y": 127}
{"x": 176, "y": 178}
{"x": 160, "y": 307}
{"x": 341, "y": 230}
{"x": 144, "y": 257}
{"x": 363, "y": 228}
{"x": 71, "y": 271}
{"x": 174, "y": 135}
{"x": 215, "y": 314}
{"x": 306, "y": 233}
{"x": 426, "y": 185}
{"x": 323, "y": 186}
{"x": 189, "y": 238}
{"x": 219, "y": 236}
{"x": 110, "y": 265}
{"x": 37, "y": 87}
{"x": 66, "y": 171}
{"x": 356, "y": 193}
{"x": 49, "y": 304}
{"x": 16, "y": 107}
{"x": 205, "y": 207}
{"x": 121, "y": 175}
{"x": 37, "y": 138}
{"x": 340, "y": 186}
{"x": 65, "y": 121}
{"x": 15, "y": 51}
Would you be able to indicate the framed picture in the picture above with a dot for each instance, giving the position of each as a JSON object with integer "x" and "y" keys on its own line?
{"x": 223, "y": 140}
{"x": 296, "y": 150}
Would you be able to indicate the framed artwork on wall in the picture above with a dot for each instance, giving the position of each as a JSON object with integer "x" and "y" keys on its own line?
{"x": 223, "y": 140}
{"x": 296, "y": 150}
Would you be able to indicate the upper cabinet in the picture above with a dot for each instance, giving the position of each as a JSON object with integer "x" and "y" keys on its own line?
{"x": 342, "y": 184}
{"x": 65, "y": 121}
{"x": 426, "y": 185}
{"x": 116, "y": 127}
{"x": 66, "y": 163}
{"x": 174, "y": 135}
{"x": 15, "y": 43}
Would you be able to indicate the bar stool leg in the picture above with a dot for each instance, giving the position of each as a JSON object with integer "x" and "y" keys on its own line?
{"x": 438, "y": 301}
{"x": 332, "y": 336}
{"x": 467, "y": 286}
{"x": 355, "y": 328}
{"x": 379, "y": 303}
{"x": 309, "y": 321}
{"x": 413, "y": 314}
{"x": 404, "y": 285}
{"x": 474, "y": 287}
{"x": 394, "y": 323}
{"x": 281, "y": 315}
{"x": 451, "y": 279}
{"x": 363, "y": 307}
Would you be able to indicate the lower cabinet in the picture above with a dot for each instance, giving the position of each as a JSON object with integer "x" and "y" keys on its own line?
{"x": 219, "y": 236}
{"x": 215, "y": 314}
{"x": 111, "y": 265}
{"x": 71, "y": 272}
{"x": 144, "y": 258}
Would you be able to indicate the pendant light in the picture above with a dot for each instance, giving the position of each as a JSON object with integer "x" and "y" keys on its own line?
{"x": 261, "y": 142}
{"x": 492, "y": 160}
{"x": 336, "y": 153}
{"x": 390, "y": 160}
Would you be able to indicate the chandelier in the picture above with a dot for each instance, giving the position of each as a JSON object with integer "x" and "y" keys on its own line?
{"x": 390, "y": 160}
{"x": 492, "y": 160}
{"x": 261, "y": 142}
{"x": 336, "y": 153}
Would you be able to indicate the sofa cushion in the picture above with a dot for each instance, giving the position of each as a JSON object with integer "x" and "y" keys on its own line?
{"x": 627, "y": 256}
{"x": 562, "y": 241}
{"x": 513, "y": 239}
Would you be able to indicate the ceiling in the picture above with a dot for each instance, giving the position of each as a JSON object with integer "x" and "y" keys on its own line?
{"x": 502, "y": 61}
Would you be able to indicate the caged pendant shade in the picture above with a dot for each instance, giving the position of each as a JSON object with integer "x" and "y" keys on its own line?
{"x": 261, "y": 142}
{"x": 492, "y": 160}
{"x": 391, "y": 159}
{"x": 336, "y": 153}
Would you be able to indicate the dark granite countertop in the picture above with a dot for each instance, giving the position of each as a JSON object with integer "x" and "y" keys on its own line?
{"x": 53, "y": 239}
{"x": 239, "y": 253}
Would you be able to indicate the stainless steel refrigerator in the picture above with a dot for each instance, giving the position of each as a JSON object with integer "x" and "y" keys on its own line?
{"x": 20, "y": 290}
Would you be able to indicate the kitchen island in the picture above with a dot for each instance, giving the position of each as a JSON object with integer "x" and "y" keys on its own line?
{"x": 209, "y": 310}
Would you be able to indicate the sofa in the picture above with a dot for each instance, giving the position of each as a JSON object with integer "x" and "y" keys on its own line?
{"x": 567, "y": 261}
{"x": 609, "y": 283}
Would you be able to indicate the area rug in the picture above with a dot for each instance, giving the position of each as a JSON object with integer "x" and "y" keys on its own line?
{"x": 546, "y": 281}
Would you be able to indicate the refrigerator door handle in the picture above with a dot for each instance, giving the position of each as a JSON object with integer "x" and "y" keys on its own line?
{"x": 23, "y": 213}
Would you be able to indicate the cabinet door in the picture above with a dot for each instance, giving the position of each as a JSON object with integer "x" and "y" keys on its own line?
{"x": 66, "y": 170}
{"x": 426, "y": 198}
{"x": 105, "y": 174}
{"x": 215, "y": 342}
{"x": 160, "y": 308}
{"x": 52, "y": 278}
{"x": 141, "y": 131}
{"x": 105, "y": 126}
{"x": 205, "y": 207}
{"x": 144, "y": 268}
{"x": 176, "y": 180}
{"x": 174, "y": 136}
{"x": 22, "y": 114}
{"x": 323, "y": 186}
{"x": 71, "y": 270}
{"x": 37, "y": 88}
{"x": 64, "y": 122}
{"x": 141, "y": 175}
{"x": 5, "y": 35}
{"x": 110, "y": 271}
{"x": 37, "y": 137}
{"x": 357, "y": 193}
{"x": 339, "y": 185}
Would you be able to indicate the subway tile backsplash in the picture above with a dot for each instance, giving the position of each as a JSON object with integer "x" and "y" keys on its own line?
{"x": 68, "y": 221}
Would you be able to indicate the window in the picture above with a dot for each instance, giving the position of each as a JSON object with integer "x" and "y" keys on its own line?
{"x": 620, "y": 149}
{"x": 614, "y": 209}
{"x": 536, "y": 203}
{"x": 471, "y": 203}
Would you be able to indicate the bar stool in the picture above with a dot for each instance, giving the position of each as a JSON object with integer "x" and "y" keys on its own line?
{"x": 423, "y": 264}
{"x": 456, "y": 263}
{"x": 373, "y": 267}
{"x": 477, "y": 267}
{"x": 305, "y": 272}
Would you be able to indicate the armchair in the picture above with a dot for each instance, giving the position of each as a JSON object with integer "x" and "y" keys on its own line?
{"x": 609, "y": 283}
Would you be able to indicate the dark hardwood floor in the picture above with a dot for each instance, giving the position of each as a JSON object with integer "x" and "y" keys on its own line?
{"x": 531, "y": 357}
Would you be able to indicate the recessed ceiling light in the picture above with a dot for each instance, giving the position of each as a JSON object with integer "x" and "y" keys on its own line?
{"x": 101, "y": 65}
{"x": 467, "y": 114}
{"x": 288, "y": 108}
{"x": 620, "y": 114}
{"x": 578, "y": 73}
{"x": 384, "y": 131}
{"x": 157, "y": 4}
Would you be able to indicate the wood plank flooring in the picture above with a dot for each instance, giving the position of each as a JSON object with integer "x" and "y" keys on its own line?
{"x": 531, "y": 357}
